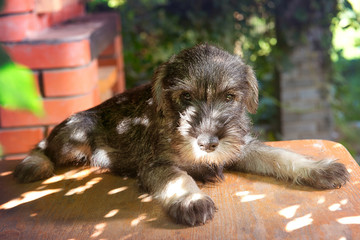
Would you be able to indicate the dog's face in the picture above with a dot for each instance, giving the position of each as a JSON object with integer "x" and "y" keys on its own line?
{"x": 205, "y": 92}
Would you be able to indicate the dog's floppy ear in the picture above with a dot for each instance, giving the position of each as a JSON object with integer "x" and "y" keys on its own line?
{"x": 252, "y": 96}
{"x": 158, "y": 86}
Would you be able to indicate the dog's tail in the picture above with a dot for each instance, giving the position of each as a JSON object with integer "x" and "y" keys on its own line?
{"x": 35, "y": 166}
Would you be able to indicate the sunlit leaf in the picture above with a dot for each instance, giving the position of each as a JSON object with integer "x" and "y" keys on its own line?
{"x": 17, "y": 89}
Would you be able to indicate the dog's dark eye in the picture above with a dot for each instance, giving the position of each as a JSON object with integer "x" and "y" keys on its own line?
{"x": 186, "y": 96}
{"x": 230, "y": 97}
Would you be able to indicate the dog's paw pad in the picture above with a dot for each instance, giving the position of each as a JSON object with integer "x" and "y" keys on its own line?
{"x": 193, "y": 209}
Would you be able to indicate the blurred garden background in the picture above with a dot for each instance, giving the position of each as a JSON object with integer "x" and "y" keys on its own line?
{"x": 264, "y": 33}
{"x": 292, "y": 45}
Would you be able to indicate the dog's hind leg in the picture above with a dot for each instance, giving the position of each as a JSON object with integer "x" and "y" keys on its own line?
{"x": 283, "y": 164}
{"x": 68, "y": 144}
{"x": 34, "y": 167}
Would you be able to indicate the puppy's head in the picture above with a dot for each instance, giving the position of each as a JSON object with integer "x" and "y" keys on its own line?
{"x": 206, "y": 92}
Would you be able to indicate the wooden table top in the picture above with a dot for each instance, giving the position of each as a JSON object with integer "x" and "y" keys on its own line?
{"x": 86, "y": 204}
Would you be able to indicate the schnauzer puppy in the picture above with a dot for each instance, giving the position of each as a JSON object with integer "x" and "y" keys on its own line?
{"x": 190, "y": 123}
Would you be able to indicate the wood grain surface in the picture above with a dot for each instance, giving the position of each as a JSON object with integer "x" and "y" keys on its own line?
{"x": 85, "y": 203}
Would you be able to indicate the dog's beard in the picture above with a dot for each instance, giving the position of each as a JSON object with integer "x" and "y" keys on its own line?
{"x": 229, "y": 147}
{"x": 224, "y": 153}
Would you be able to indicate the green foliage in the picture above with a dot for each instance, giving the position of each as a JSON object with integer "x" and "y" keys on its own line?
{"x": 18, "y": 90}
{"x": 153, "y": 30}
{"x": 346, "y": 85}
{"x": 17, "y": 87}
{"x": 346, "y": 104}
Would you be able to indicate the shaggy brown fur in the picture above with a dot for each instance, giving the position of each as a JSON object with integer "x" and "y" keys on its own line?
{"x": 190, "y": 123}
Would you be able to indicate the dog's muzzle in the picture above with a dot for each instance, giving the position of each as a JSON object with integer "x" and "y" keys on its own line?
{"x": 207, "y": 142}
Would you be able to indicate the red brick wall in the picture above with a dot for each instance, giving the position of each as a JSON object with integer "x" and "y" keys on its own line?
{"x": 66, "y": 72}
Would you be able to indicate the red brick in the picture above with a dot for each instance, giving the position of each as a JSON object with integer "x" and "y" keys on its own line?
{"x": 118, "y": 49}
{"x": 20, "y": 140}
{"x": 17, "y": 27}
{"x": 112, "y": 54}
{"x": 36, "y": 82}
{"x": 120, "y": 85}
{"x": 109, "y": 51}
{"x": 67, "y": 12}
{"x": 118, "y": 44}
{"x": 57, "y": 109}
{"x": 96, "y": 96}
{"x": 107, "y": 61}
{"x": 49, "y": 130}
{"x": 72, "y": 81}
{"x": 17, "y": 6}
{"x": 113, "y": 49}
{"x": 45, "y": 6}
{"x": 56, "y": 55}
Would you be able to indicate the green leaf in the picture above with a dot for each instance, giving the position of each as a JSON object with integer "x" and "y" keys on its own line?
{"x": 17, "y": 89}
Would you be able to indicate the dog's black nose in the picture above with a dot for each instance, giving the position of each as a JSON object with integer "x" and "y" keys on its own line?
{"x": 207, "y": 142}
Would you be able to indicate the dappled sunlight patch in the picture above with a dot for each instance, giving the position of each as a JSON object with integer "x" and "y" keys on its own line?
{"x": 250, "y": 198}
{"x": 151, "y": 219}
{"x": 196, "y": 196}
{"x": 83, "y": 173}
{"x": 7, "y": 173}
{"x": 117, "y": 190}
{"x": 247, "y": 197}
{"x": 175, "y": 188}
{"x": 337, "y": 206}
{"x": 98, "y": 230}
{"x": 79, "y": 135}
{"x": 321, "y": 200}
{"x": 243, "y": 193}
{"x": 41, "y": 187}
{"x": 337, "y": 145}
{"x": 127, "y": 123}
{"x": 137, "y": 220}
{"x": 289, "y": 212}
{"x": 112, "y": 213}
{"x": 145, "y": 197}
{"x": 72, "y": 174}
{"x": 349, "y": 220}
{"x": 299, "y": 222}
{"x": 28, "y": 197}
{"x": 54, "y": 179}
{"x": 128, "y": 236}
{"x": 318, "y": 145}
{"x": 82, "y": 189}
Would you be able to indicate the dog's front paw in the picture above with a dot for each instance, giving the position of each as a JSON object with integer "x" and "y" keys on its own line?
{"x": 192, "y": 209}
{"x": 330, "y": 174}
